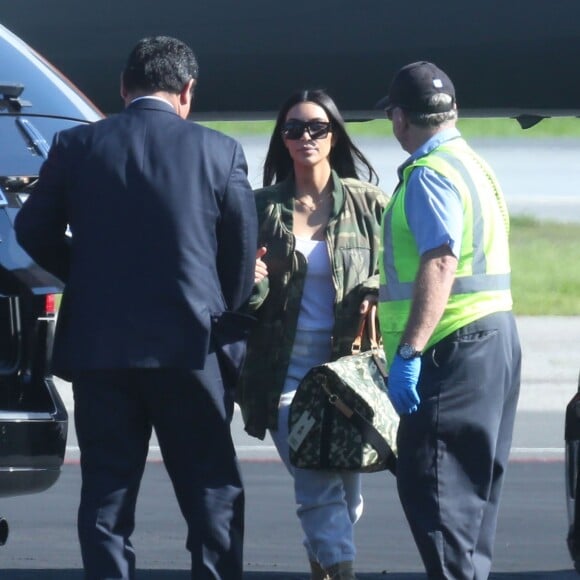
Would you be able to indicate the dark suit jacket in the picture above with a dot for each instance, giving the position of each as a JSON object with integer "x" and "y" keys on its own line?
{"x": 163, "y": 239}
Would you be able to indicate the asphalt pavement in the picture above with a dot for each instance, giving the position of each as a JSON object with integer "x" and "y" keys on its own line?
{"x": 530, "y": 542}
{"x": 532, "y": 528}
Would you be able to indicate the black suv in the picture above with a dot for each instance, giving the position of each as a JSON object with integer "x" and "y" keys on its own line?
{"x": 36, "y": 101}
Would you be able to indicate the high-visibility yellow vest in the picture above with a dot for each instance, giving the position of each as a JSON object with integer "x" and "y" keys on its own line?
{"x": 482, "y": 282}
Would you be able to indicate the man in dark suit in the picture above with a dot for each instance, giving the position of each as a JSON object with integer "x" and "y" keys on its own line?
{"x": 161, "y": 256}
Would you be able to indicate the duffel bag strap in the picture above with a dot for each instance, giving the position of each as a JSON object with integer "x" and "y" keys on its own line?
{"x": 371, "y": 436}
{"x": 368, "y": 431}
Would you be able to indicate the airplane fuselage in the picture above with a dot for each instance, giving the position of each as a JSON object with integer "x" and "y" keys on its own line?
{"x": 506, "y": 58}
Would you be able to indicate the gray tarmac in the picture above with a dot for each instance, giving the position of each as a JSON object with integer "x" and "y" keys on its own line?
{"x": 530, "y": 542}
{"x": 532, "y": 528}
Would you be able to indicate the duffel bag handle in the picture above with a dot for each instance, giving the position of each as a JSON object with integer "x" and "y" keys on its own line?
{"x": 371, "y": 318}
{"x": 374, "y": 339}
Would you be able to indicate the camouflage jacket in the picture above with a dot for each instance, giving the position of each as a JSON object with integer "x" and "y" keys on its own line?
{"x": 353, "y": 237}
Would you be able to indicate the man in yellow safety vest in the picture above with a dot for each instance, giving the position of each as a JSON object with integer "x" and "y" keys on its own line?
{"x": 449, "y": 333}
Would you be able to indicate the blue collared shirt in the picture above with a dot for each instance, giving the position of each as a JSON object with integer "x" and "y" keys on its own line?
{"x": 432, "y": 203}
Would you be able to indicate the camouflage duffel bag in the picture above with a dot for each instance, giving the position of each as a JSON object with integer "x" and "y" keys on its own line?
{"x": 341, "y": 417}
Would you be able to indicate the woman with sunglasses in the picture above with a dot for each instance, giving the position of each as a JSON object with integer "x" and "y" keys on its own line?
{"x": 316, "y": 272}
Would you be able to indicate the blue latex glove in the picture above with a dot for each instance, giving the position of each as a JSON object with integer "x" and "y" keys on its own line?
{"x": 402, "y": 384}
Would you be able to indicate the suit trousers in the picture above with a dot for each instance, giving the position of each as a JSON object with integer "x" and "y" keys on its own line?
{"x": 115, "y": 412}
{"x": 453, "y": 452}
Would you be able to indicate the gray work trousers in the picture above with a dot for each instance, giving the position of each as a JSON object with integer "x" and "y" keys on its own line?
{"x": 453, "y": 451}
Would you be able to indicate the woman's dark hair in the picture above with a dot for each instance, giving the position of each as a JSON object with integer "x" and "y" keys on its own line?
{"x": 345, "y": 157}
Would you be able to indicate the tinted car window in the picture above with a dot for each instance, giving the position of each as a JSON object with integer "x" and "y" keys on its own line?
{"x": 36, "y": 101}
{"x": 46, "y": 91}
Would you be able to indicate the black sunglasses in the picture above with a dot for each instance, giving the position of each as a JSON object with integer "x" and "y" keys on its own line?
{"x": 294, "y": 129}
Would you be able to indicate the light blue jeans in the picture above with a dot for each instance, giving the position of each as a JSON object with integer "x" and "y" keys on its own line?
{"x": 329, "y": 502}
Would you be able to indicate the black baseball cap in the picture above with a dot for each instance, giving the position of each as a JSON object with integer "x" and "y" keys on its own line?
{"x": 414, "y": 84}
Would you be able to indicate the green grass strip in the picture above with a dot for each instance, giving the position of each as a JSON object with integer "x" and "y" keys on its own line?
{"x": 548, "y": 128}
{"x": 545, "y": 279}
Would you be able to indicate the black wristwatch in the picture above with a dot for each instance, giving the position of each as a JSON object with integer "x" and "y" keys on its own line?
{"x": 407, "y": 352}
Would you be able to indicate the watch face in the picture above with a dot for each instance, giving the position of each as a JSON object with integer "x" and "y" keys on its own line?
{"x": 406, "y": 351}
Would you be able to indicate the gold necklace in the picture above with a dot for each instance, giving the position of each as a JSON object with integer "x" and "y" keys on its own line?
{"x": 313, "y": 206}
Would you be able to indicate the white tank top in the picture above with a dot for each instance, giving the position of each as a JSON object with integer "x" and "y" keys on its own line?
{"x": 317, "y": 306}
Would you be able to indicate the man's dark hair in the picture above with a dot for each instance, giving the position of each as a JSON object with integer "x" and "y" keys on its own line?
{"x": 159, "y": 63}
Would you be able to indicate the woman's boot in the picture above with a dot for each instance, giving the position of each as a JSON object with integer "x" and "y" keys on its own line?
{"x": 317, "y": 571}
{"x": 341, "y": 571}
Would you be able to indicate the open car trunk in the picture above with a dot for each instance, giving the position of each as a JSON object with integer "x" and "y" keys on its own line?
{"x": 33, "y": 418}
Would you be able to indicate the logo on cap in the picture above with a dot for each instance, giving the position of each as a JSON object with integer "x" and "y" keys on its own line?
{"x": 413, "y": 87}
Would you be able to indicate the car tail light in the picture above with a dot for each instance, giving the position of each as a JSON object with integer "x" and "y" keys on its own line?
{"x": 49, "y": 304}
